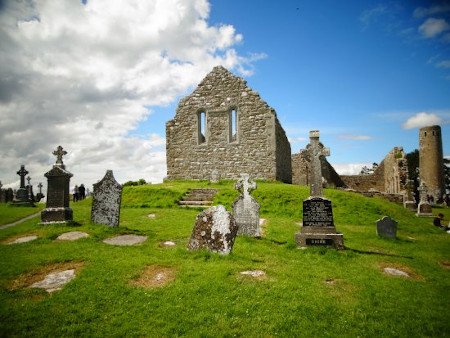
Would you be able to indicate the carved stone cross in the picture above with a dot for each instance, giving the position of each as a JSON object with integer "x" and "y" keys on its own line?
{"x": 22, "y": 173}
{"x": 1, "y": 185}
{"x": 59, "y": 153}
{"x": 316, "y": 152}
{"x": 28, "y": 179}
{"x": 245, "y": 186}
{"x": 40, "y": 187}
{"x": 423, "y": 192}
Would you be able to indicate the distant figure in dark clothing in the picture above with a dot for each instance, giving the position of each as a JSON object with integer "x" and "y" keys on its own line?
{"x": 76, "y": 193}
{"x": 447, "y": 200}
{"x": 437, "y": 221}
{"x": 82, "y": 192}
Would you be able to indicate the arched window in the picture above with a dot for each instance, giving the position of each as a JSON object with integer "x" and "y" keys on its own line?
{"x": 232, "y": 121}
{"x": 201, "y": 122}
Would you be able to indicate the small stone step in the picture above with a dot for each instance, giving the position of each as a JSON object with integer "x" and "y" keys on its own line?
{"x": 198, "y": 198}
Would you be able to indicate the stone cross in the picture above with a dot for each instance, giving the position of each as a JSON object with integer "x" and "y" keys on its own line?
{"x": 245, "y": 186}
{"x": 28, "y": 179}
{"x": 40, "y": 187}
{"x": 316, "y": 152}
{"x": 1, "y": 185}
{"x": 59, "y": 153}
{"x": 423, "y": 192}
{"x": 22, "y": 173}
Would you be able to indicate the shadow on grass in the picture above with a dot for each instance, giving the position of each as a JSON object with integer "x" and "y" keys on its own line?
{"x": 376, "y": 253}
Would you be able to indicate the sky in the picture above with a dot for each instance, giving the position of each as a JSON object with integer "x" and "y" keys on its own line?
{"x": 102, "y": 77}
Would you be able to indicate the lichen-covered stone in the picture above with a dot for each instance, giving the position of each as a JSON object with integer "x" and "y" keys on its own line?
{"x": 246, "y": 209}
{"x": 256, "y": 144}
{"x": 107, "y": 198}
{"x": 215, "y": 229}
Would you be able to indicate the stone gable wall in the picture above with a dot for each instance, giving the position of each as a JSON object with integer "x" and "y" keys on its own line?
{"x": 259, "y": 150}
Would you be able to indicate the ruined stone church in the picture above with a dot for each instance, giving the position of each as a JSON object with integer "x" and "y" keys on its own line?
{"x": 225, "y": 128}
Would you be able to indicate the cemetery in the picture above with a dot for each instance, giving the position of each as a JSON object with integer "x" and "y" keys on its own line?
{"x": 145, "y": 276}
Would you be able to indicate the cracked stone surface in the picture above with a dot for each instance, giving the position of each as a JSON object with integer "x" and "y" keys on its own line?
{"x": 72, "y": 236}
{"x": 24, "y": 239}
{"x": 55, "y": 281}
{"x": 125, "y": 240}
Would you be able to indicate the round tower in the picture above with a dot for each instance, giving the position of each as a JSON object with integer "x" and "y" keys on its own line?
{"x": 431, "y": 160}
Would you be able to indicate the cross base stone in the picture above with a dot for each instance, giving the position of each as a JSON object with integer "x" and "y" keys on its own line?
{"x": 307, "y": 239}
{"x": 56, "y": 215}
{"x": 424, "y": 210}
{"x": 410, "y": 205}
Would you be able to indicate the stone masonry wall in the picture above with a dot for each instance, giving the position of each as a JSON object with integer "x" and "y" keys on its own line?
{"x": 258, "y": 150}
{"x": 390, "y": 177}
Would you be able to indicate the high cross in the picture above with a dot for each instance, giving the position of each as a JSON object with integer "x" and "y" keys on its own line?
{"x": 22, "y": 173}
{"x": 316, "y": 151}
{"x": 28, "y": 179}
{"x": 59, "y": 153}
{"x": 40, "y": 187}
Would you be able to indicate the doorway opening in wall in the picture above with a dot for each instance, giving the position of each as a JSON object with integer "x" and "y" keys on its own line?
{"x": 233, "y": 125}
{"x": 201, "y": 127}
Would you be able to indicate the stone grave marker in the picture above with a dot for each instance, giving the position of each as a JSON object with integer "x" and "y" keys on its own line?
{"x": 58, "y": 188}
{"x": 39, "y": 195}
{"x": 408, "y": 199}
{"x": 2, "y": 194}
{"x": 246, "y": 209}
{"x": 424, "y": 208}
{"x": 22, "y": 197}
{"x": 318, "y": 227}
{"x": 215, "y": 176}
{"x": 387, "y": 227}
{"x": 215, "y": 230}
{"x": 106, "y": 201}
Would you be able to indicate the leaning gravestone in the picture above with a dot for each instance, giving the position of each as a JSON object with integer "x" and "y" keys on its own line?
{"x": 387, "y": 227}
{"x": 318, "y": 226}
{"x": 215, "y": 230}
{"x": 424, "y": 208}
{"x": 106, "y": 201}
{"x": 246, "y": 209}
{"x": 58, "y": 187}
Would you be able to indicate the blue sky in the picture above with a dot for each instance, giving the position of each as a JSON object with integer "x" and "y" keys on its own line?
{"x": 355, "y": 70}
{"x": 102, "y": 77}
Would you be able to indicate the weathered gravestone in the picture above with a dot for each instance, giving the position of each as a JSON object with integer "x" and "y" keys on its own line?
{"x": 387, "y": 227}
{"x": 215, "y": 230}
{"x": 215, "y": 176}
{"x": 318, "y": 226}
{"x": 58, "y": 187}
{"x": 2, "y": 193}
{"x": 22, "y": 197}
{"x": 246, "y": 209}
{"x": 106, "y": 201}
{"x": 424, "y": 208}
{"x": 408, "y": 199}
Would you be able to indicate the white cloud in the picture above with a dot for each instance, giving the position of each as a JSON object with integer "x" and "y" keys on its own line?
{"x": 432, "y": 27}
{"x": 422, "y": 12}
{"x": 369, "y": 16}
{"x": 350, "y": 168}
{"x": 422, "y": 119}
{"x": 354, "y": 137}
{"x": 83, "y": 76}
{"x": 443, "y": 64}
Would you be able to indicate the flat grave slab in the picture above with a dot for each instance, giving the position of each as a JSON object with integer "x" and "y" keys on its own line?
{"x": 24, "y": 239}
{"x": 125, "y": 240}
{"x": 72, "y": 236}
{"x": 55, "y": 281}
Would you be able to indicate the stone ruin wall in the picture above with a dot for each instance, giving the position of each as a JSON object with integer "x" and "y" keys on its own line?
{"x": 261, "y": 146}
{"x": 390, "y": 177}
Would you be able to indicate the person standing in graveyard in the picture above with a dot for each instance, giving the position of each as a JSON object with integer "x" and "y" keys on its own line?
{"x": 82, "y": 191}
{"x": 76, "y": 193}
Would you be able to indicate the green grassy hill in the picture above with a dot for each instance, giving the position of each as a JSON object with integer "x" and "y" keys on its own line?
{"x": 313, "y": 292}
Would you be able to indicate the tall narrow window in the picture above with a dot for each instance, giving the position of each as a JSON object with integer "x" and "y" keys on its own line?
{"x": 201, "y": 117}
{"x": 233, "y": 125}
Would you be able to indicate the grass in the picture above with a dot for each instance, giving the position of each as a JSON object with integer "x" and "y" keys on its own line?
{"x": 312, "y": 292}
{"x": 10, "y": 214}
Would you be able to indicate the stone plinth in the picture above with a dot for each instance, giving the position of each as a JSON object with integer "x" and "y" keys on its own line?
{"x": 424, "y": 210}
{"x": 215, "y": 230}
{"x": 318, "y": 226}
{"x": 106, "y": 201}
{"x": 57, "y": 208}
